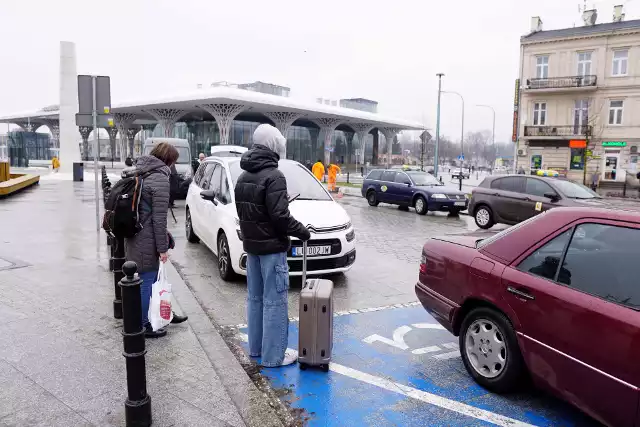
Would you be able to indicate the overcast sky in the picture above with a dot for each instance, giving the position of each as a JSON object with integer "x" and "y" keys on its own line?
{"x": 388, "y": 51}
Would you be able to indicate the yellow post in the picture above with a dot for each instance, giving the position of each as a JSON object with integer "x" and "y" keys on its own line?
{"x": 4, "y": 171}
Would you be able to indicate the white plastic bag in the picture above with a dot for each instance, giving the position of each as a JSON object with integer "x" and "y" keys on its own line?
{"x": 160, "y": 313}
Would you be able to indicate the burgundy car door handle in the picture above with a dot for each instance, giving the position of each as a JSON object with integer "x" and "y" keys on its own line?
{"x": 520, "y": 293}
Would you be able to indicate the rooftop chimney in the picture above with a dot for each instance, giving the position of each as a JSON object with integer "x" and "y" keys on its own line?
{"x": 536, "y": 24}
{"x": 589, "y": 17}
{"x": 618, "y": 16}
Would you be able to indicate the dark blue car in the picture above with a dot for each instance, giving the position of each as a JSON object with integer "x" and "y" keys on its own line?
{"x": 419, "y": 190}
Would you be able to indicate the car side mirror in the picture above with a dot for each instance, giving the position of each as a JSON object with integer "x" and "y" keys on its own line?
{"x": 553, "y": 196}
{"x": 209, "y": 195}
{"x": 408, "y": 184}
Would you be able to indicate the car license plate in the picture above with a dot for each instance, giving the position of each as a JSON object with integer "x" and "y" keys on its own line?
{"x": 312, "y": 250}
{"x": 460, "y": 203}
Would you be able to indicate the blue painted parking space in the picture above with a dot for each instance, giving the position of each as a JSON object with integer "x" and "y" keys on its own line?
{"x": 398, "y": 367}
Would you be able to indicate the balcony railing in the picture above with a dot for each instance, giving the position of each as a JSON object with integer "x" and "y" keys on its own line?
{"x": 561, "y": 131}
{"x": 563, "y": 82}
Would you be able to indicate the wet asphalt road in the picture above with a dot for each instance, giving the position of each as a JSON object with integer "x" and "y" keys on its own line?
{"x": 389, "y": 243}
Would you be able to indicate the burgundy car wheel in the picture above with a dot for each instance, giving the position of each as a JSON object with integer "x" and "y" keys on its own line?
{"x": 485, "y": 347}
{"x": 490, "y": 351}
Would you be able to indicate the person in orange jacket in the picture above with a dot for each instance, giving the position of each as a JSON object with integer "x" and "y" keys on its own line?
{"x": 318, "y": 170}
{"x": 333, "y": 171}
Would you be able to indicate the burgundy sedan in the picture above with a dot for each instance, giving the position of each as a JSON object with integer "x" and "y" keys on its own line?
{"x": 555, "y": 298}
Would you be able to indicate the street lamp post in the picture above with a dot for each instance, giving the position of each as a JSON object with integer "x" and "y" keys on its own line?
{"x": 493, "y": 130}
{"x": 435, "y": 157}
{"x": 462, "y": 125}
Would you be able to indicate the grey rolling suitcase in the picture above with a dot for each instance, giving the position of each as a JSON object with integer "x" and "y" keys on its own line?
{"x": 315, "y": 339}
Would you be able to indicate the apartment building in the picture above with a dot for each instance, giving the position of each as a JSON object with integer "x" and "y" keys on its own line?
{"x": 580, "y": 99}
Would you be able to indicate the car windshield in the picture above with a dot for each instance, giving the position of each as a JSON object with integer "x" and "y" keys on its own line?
{"x": 575, "y": 191}
{"x": 300, "y": 182}
{"x": 423, "y": 178}
{"x": 183, "y": 154}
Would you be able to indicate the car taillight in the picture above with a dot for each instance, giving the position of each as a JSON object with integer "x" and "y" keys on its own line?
{"x": 423, "y": 264}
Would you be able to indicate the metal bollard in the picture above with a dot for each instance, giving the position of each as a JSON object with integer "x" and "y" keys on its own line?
{"x": 137, "y": 407}
{"x": 347, "y": 177}
{"x": 111, "y": 245}
{"x": 460, "y": 184}
{"x": 117, "y": 260}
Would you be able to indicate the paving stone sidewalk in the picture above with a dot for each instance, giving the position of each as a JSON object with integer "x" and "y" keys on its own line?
{"x": 61, "y": 360}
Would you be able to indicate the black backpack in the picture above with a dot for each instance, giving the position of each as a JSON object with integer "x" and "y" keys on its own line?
{"x": 121, "y": 218}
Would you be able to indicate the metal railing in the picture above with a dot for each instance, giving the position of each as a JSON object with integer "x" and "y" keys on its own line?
{"x": 563, "y": 82}
{"x": 568, "y": 130}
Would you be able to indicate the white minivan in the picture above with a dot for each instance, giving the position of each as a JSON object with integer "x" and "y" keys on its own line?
{"x": 211, "y": 218}
{"x": 183, "y": 166}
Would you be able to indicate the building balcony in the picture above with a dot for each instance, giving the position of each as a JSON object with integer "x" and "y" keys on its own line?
{"x": 562, "y": 84}
{"x": 557, "y": 132}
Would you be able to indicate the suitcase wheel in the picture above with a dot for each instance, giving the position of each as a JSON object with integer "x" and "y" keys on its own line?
{"x": 303, "y": 366}
{"x": 325, "y": 368}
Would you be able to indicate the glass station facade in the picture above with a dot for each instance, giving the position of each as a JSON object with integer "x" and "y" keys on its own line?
{"x": 25, "y": 146}
{"x": 304, "y": 144}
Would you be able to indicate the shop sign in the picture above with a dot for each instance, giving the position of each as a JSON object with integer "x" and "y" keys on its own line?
{"x": 614, "y": 144}
{"x": 578, "y": 143}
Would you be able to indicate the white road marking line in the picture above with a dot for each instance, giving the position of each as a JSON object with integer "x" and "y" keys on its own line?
{"x": 451, "y": 345}
{"x": 428, "y": 326}
{"x": 429, "y": 398}
{"x": 424, "y": 350}
{"x": 446, "y": 356}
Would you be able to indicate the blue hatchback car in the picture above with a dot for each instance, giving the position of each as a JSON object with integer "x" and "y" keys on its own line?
{"x": 416, "y": 189}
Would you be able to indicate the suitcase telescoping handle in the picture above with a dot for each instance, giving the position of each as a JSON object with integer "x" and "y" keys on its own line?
{"x": 304, "y": 263}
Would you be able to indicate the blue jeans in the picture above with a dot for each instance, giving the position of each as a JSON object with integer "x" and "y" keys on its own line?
{"x": 267, "y": 306}
{"x": 148, "y": 279}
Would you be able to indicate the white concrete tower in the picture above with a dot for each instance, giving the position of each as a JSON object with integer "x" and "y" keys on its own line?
{"x": 69, "y": 151}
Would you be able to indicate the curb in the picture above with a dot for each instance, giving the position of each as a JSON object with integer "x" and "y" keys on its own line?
{"x": 251, "y": 403}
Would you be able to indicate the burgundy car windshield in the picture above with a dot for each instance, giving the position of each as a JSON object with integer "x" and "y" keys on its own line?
{"x": 480, "y": 243}
{"x": 574, "y": 191}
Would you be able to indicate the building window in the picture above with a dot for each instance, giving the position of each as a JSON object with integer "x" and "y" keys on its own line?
{"x": 620, "y": 62}
{"x": 580, "y": 116}
{"x": 539, "y": 113}
{"x": 542, "y": 67}
{"x": 577, "y": 159}
{"x": 615, "y": 112}
{"x": 584, "y": 63}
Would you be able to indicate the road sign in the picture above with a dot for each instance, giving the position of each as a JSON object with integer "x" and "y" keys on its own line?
{"x": 85, "y": 95}
{"x": 94, "y": 106}
{"x": 461, "y": 157}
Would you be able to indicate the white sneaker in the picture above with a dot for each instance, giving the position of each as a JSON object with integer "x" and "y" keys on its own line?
{"x": 290, "y": 357}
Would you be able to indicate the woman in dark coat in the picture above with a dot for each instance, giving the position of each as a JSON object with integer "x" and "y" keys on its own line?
{"x": 150, "y": 246}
